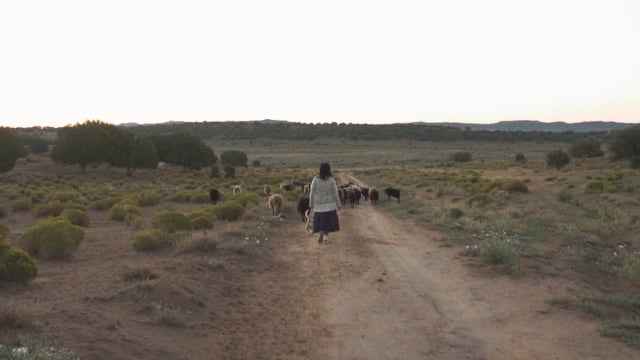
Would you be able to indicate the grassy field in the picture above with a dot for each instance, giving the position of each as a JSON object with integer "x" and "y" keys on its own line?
{"x": 581, "y": 222}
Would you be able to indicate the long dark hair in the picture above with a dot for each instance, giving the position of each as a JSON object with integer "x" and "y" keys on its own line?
{"x": 325, "y": 170}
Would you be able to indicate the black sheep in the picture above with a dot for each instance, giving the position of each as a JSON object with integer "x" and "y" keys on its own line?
{"x": 302, "y": 206}
{"x": 214, "y": 195}
{"x": 391, "y": 192}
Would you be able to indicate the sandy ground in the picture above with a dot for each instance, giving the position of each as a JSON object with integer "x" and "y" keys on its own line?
{"x": 383, "y": 288}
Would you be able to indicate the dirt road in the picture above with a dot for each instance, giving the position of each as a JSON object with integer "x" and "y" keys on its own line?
{"x": 384, "y": 289}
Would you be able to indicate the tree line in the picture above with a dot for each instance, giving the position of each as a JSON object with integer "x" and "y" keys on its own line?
{"x": 251, "y": 130}
{"x": 182, "y": 144}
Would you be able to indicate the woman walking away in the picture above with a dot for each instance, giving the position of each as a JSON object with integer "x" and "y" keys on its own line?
{"x": 324, "y": 200}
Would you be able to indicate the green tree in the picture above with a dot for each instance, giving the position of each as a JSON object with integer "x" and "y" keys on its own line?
{"x": 185, "y": 150}
{"x": 625, "y": 143}
{"x": 10, "y": 150}
{"x": 36, "y": 145}
{"x": 557, "y": 159}
{"x": 229, "y": 171}
{"x": 96, "y": 142}
{"x": 234, "y": 158}
{"x": 132, "y": 152}
{"x": 84, "y": 144}
{"x": 585, "y": 148}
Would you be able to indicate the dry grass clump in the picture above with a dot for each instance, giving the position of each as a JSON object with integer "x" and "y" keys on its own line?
{"x": 195, "y": 243}
{"x": 22, "y": 204}
{"x": 15, "y": 317}
{"x": 138, "y": 273}
{"x": 516, "y": 186}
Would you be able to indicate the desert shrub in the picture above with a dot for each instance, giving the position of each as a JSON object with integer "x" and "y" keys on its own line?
{"x": 498, "y": 247}
{"x": 564, "y": 196}
{"x": 228, "y": 210}
{"x": 493, "y": 185}
{"x": 148, "y": 198}
{"x": 520, "y": 158}
{"x": 151, "y": 239}
{"x": 246, "y": 198}
{"x": 171, "y": 221}
{"x": 199, "y": 197}
{"x": 16, "y": 266}
{"x": 4, "y": 230}
{"x": 54, "y": 238}
{"x": 631, "y": 267}
{"x": 595, "y": 187}
{"x": 103, "y": 203}
{"x": 3, "y": 211}
{"x": 119, "y": 211}
{"x": 455, "y": 213}
{"x": 65, "y": 196}
{"x": 461, "y": 156}
{"x": 180, "y": 196}
{"x": 202, "y": 222}
{"x": 76, "y": 217}
{"x": 585, "y": 148}
{"x": 516, "y": 186}
{"x": 43, "y": 210}
{"x": 132, "y": 219}
{"x": 557, "y": 159}
{"x": 21, "y": 204}
{"x": 480, "y": 198}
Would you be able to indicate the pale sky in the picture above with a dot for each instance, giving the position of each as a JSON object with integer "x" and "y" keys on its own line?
{"x": 352, "y": 61}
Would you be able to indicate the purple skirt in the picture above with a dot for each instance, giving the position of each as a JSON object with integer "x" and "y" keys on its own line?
{"x": 326, "y": 221}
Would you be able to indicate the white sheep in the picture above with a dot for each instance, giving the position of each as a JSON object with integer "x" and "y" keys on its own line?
{"x": 276, "y": 202}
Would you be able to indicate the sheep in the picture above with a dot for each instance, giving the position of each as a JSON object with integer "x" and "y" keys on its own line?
{"x": 354, "y": 196}
{"x": 214, "y": 195}
{"x": 276, "y": 202}
{"x": 374, "y": 195}
{"x": 365, "y": 193}
{"x": 267, "y": 190}
{"x": 236, "y": 190}
{"x": 302, "y": 206}
{"x": 305, "y": 189}
{"x": 288, "y": 187}
{"x": 391, "y": 192}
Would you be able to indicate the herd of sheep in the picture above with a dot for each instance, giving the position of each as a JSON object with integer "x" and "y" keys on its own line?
{"x": 349, "y": 194}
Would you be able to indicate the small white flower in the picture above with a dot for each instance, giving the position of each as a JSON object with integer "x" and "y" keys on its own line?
{"x": 20, "y": 351}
